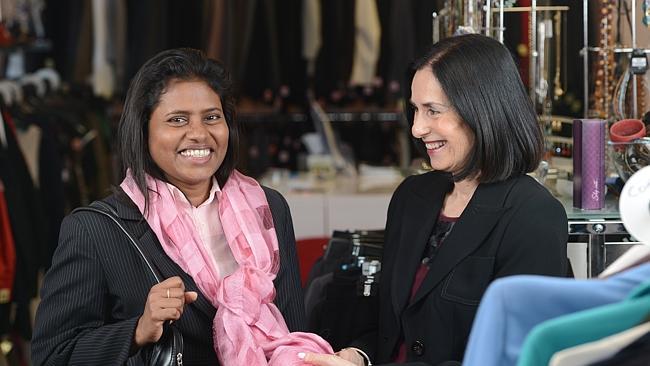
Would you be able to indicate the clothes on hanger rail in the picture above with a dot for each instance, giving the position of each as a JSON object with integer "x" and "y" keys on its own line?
{"x": 512, "y": 306}
{"x": 25, "y": 219}
{"x": 595, "y": 351}
{"x": 635, "y": 354}
{"x": 584, "y": 326}
{"x": 7, "y": 251}
{"x": 340, "y": 296}
{"x": 41, "y": 165}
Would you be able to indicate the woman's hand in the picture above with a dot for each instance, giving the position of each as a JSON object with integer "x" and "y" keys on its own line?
{"x": 345, "y": 357}
{"x": 165, "y": 301}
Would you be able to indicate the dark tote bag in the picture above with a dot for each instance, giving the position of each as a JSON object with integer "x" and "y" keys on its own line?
{"x": 168, "y": 351}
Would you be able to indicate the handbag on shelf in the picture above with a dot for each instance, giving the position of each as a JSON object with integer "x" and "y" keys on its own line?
{"x": 168, "y": 351}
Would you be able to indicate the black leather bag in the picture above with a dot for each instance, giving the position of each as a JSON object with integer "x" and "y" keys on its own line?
{"x": 169, "y": 348}
{"x": 168, "y": 351}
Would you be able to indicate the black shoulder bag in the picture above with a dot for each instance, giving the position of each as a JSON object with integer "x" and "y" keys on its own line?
{"x": 168, "y": 351}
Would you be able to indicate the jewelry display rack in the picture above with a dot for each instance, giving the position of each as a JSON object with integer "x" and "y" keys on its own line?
{"x": 470, "y": 14}
{"x": 627, "y": 50}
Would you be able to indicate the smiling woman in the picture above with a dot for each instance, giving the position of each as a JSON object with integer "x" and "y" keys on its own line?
{"x": 447, "y": 138}
{"x": 224, "y": 243}
{"x": 475, "y": 218}
{"x": 188, "y": 137}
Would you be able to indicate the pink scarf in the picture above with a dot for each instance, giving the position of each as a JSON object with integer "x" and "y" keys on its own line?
{"x": 248, "y": 329}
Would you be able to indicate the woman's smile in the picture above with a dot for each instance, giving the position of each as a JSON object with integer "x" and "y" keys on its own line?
{"x": 188, "y": 134}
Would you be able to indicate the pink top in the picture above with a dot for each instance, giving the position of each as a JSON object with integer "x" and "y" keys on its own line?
{"x": 208, "y": 225}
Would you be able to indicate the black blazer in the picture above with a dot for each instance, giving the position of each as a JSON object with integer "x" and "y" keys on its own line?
{"x": 95, "y": 291}
{"x": 511, "y": 227}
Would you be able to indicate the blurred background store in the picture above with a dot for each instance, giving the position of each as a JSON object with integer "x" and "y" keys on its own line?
{"x": 319, "y": 87}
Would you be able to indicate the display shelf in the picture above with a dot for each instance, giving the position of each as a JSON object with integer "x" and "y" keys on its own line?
{"x": 333, "y": 115}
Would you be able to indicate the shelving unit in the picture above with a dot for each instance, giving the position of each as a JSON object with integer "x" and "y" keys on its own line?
{"x": 627, "y": 50}
{"x": 334, "y": 116}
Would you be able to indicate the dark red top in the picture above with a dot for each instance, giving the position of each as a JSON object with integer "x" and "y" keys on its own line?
{"x": 440, "y": 231}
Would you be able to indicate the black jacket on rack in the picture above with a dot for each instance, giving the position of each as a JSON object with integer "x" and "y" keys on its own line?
{"x": 510, "y": 227}
{"x": 25, "y": 216}
{"x": 336, "y": 306}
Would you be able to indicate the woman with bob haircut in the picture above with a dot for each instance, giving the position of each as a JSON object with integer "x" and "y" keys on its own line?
{"x": 476, "y": 217}
{"x": 223, "y": 244}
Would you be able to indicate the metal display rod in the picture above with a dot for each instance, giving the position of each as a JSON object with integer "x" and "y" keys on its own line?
{"x": 522, "y": 9}
{"x": 535, "y": 52}
{"x": 501, "y": 26}
{"x": 615, "y": 49}
{"x": 634, "y": 91}
{"x": 532, "y": 61}
{"x": 585, "y": 57}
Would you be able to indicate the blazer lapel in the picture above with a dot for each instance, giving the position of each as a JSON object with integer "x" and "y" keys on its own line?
{"x": 415, "y": 228}
{"x": 474, "y": 225}
{"x": 156, "y": 255}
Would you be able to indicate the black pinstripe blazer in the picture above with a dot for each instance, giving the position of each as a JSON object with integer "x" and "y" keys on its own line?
{"x": 95, "y": 291}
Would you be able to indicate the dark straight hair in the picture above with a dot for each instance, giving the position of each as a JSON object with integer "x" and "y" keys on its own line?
{"x": 482, "y": 83}
{"x": 143, "y": 96}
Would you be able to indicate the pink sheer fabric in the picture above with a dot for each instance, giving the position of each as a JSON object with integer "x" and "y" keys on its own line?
{"x": 248, "y": 329}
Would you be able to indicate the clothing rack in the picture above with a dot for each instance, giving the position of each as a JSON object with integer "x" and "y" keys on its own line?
{"x": 42, "y": 80}
{"x": 341, "y": 302}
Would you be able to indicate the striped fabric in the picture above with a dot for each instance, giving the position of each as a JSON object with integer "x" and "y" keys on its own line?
{"x": 96, "y": 289}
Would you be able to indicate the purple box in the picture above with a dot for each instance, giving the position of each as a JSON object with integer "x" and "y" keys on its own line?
{"x": 589, "y": 163}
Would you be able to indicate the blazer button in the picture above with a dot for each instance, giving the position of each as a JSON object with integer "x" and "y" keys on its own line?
{"x": 418, "y": 348}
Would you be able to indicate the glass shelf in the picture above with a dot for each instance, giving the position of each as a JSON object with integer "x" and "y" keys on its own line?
{"x": 609, "y": 212}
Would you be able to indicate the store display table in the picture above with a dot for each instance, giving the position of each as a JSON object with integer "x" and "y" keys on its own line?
{"x": 599, "y": 226}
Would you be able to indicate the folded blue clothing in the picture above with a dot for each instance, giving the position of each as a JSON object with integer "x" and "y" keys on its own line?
{"x": 512, "y": 306}
{"x": 585, "y": 326}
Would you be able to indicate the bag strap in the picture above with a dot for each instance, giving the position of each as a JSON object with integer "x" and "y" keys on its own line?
{"x": 168, "y": 352}
{"x": 107, "y": 210}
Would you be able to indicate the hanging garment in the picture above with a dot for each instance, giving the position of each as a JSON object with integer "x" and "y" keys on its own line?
{"x": 581, "y": 327}
{"x": 43, "y": 149}
{"x": 116, "y": 47}
{"x": 26, "y": 219}
{"x": 3, "y": 133}
{"x": 292, "y": 66}
{"x": 7, "y": 250}
{"x": 366, "y": 42}
{"x": 634, "y": 256}
{"x": 342, "y": 315}
{"x": 410, "y": 29}
{"x": 636, "y": 354}
{"x": 52, "y": 191}
{"x": 83, "y": 54}
{"x": 103, "y": 75}
{"x": 215, "y": 12}
{"x": 315, "y": 294}
{"x": 336, "y": 302}
{"x": 512, "y": 306}
{"x": 261, "y": 63}
{"x": 311, "y": 30}
{"x": 147, "y": 31}
{"x": 586, "y": 354}
{"x": 334, "y": 61}
{"x": 29, "y": 141}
